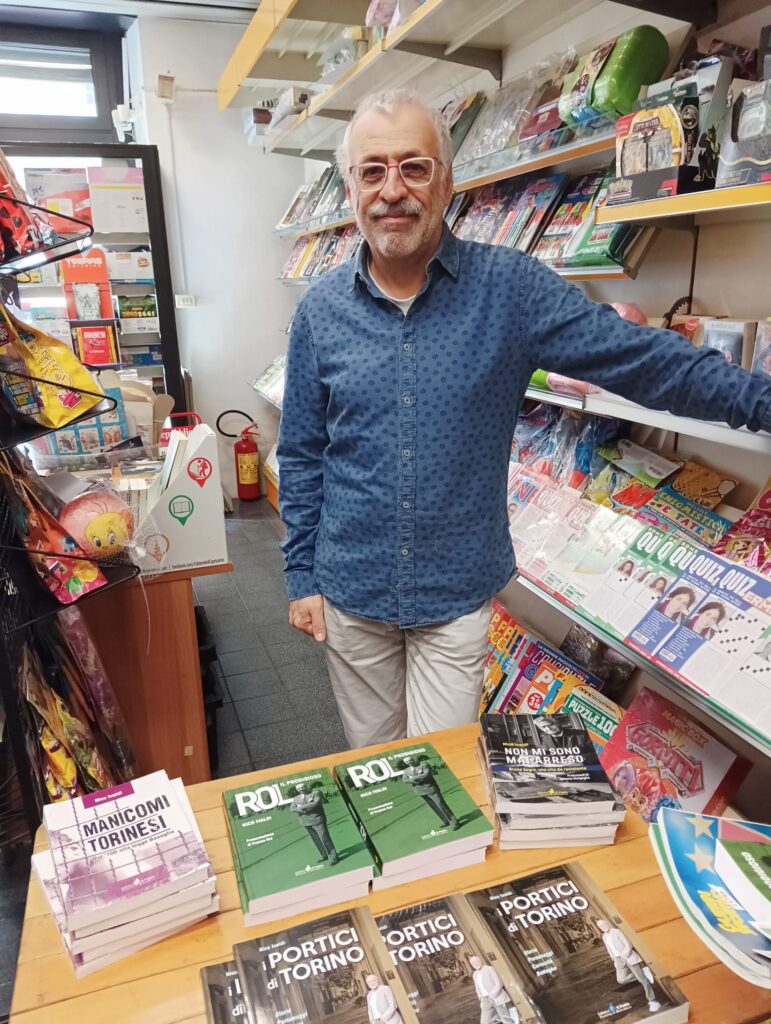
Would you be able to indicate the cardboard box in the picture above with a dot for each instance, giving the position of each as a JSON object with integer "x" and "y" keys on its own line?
{"x": 184, "y": 527}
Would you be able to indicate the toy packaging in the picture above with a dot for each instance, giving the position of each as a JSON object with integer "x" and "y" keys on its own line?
{"x": 659, "y": 756}
{"x": 96, "y": 344}
{"x": 761, "y": 358}
{"x": 93, "y": 434}
{"x": 49, "y": 400}
{"x": 745, "y": 144}
{"x": 734, "y": 338}
{"x": 569, "y": 219}
{"x": 607, "y": 81}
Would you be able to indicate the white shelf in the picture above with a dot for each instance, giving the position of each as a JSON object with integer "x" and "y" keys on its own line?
{"x": 295, "y": 282}
{"x": 712, "y": 709}
{"x": 605, "y": 404}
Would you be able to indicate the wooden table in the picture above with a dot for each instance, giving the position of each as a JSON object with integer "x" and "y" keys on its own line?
{"x": 161, "y": 985}
{"x": 146, "y": 637}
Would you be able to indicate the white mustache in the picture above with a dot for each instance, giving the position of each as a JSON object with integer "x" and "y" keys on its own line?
{"x": 404, "y": 208}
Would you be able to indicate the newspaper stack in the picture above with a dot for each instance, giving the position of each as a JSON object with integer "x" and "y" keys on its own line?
{"x": 545, "y": 782}
{"x": 125, "y": 868}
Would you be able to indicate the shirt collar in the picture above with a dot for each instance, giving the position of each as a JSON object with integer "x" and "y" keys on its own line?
{"x": 447, "y": 255}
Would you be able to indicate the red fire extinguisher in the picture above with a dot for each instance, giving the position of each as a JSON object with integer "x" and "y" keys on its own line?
{"x": 247, "y": 456}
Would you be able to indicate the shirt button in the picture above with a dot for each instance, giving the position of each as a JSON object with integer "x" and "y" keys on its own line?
{"x": 406, "y": 453}
{"x": 407, "y": 347}
{"x": 405, "y": 504}
{"x": 405, "y": 551}
{"x": 406, "y": 399}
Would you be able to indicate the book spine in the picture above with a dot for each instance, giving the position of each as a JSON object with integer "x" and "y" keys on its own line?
{"x": 357, "y": 819}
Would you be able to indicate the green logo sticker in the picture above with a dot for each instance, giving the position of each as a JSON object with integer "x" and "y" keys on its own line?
{"x": 181, "y": 508}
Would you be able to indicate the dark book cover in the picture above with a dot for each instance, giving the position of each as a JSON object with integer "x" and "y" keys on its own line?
{"x": 577, "y": 960}
{"x": 222, "y": 992}
{"x": 333, "y": 970}
{"x": 544, "y": 760}
{"x": 451, "y": 966}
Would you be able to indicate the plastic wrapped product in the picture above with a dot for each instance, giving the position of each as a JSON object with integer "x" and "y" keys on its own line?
{"x": 607, "y": 81}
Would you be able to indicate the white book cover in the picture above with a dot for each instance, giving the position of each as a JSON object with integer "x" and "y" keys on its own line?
{"x": 122, "y": 848}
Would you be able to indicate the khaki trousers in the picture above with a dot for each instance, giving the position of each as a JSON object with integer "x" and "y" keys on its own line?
{"x": 390, "y": 682}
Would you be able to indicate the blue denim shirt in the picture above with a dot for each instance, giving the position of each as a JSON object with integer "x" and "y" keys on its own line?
{"x": 396, "y": 430}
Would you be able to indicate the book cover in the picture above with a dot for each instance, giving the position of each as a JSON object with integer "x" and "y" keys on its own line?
{"x": 686, "y": 847}
{"x": 138, "y": 313}
{"x": 122, "y": 848}
{"x": 761, "y": 357}
{"x": 451, "y": 966}
{"x": 409, "y": 805}
{"x": 294, "y": 832}
{"x": 743, "y": 861}
{"x": 577, "y": 959}
{"x": 96, "y": 344}
{"x": 222, "y": 993}
{"x": 659, "y": 756}
{"x": 333, "y": 970}
{"x": 544, "y": 764}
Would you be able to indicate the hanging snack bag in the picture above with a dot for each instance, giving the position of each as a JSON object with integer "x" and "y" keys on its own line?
{"x": 50, "y": 401}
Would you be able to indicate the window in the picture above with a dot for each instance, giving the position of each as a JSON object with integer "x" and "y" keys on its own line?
{"x": 56, "y": 81}
{"x": 57, "y": 85}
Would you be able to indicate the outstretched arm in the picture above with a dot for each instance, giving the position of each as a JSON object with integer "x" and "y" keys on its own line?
{"x": 562, "y": 330}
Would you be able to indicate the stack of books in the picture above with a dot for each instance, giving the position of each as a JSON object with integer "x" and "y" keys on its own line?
{"x": 545, "y": 782}
{"x": 416, "y": 815}
{"x": 125, "y": 868}
{"x": 295, "y": 847}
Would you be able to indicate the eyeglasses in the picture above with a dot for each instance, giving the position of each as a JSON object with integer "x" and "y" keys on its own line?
{"x": 415, "y": 172}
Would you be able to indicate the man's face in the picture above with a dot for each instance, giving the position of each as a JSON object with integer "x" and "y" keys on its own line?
{"x": 398, "y": 221}
{"x": 372, "y": 981}
{"x": 300, "y": 788}
{"x": 475, "y": 962}
{"x": 407, "y": 762}
{"x": 549, "y": 726}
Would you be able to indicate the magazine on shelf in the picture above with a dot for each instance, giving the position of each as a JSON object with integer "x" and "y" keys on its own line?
{"x": 222, "y": 993}
{"x": 573, "y": 212}
{"x": 600, "y": 714}
{"x": 544, "y": 764}
{"x": 505, "y": 640}
{"x": 693, "y": 852}
{"x": 293, "y": 839}
{"x": 660, "y": 756}
{"x": 334, "y": 970}
{"x": 123, "y": 848}
{"x": 712, "y": 631}
{"x": 412, "y": 808}
{"x": 637, "y": 580}
{"x": 676, "y": 513}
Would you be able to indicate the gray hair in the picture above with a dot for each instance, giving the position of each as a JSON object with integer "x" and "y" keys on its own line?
{"x": 389, "y": 100}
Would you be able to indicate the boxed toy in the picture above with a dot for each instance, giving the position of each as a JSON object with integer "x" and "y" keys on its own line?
{"x": 734, "y": 338}
{"x": 654, "y": 146}
{"x": 745, "y": 144}
{"x": 607, "y": 81}
{"x": 90, "y": 435}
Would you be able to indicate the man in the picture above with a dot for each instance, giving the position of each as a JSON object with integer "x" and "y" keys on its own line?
{"x": 628, "y": 962}
{"x": 494, "y": 1003}
{"x": 405, "y": 371}
{"x": 381, "y": 1005}
{"x": 309, "y": 808}
{"x": 421, "y": 777}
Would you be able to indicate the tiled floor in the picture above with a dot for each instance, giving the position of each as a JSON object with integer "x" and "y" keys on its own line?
{"x": 280, "y": 705}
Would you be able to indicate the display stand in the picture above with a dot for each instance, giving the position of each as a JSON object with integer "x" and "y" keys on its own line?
{"x": 162, "y": 984}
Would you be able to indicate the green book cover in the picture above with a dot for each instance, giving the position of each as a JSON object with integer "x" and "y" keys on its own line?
{"x": 409, "y": 803}
{"x": 745, "y": 867}
{"x": 294, "y": 830}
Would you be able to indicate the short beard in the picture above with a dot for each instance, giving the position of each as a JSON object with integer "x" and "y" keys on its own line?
{"x": 400, "y": 243}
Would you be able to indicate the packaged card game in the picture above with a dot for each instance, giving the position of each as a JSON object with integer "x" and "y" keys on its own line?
{"x": 659, "y": 756}
{"x": 745, "y": 145}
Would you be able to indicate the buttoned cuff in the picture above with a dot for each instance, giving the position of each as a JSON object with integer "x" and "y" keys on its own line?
{"x": 301, "y": 583}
